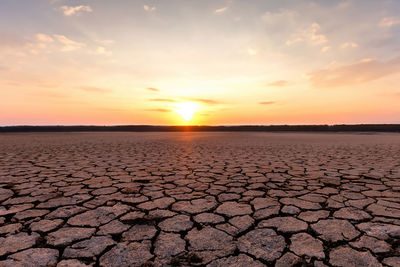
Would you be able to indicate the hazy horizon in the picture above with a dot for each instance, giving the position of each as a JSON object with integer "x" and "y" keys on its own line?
{"x": 187, "y": 124}
{"x": 151, "y": 62}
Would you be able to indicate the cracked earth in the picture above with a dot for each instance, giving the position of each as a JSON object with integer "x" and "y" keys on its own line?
{"x": 199, "y": 199}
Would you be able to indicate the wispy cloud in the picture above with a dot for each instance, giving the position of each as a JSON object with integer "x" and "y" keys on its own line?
{"x": 163, "y": 100}
{"x": 41, "y": 37}
{"x": 326, "y": 48}
{"x": 310, "y": 35}
{"x": 75, "y": 10}
{"x": 203, "y": 100}
{"x": 221, "y": 10}
{"x": 183, "y": 99}
{"x": 349, "y": 44}
{"x": 153, "y": 89}
{"x": 279, "y": 83}
{"x": 95, "y": 89}
{"x": 149, "y": 8}
{"x": 101, "y": 50}
{"x": 315, "y": 37}
{"x": 267, "y": 102}
{"x": 389, "y": 22}
{"x": 159, "y": 110}
{"x": 293, "y": 41}
{"x": 68, "y": 44}
{"x": 364, "y": 71}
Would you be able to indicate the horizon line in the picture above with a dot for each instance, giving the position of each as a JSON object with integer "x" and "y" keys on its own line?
{"x": 205, "y": 128}
{"x": 193, "y": 125}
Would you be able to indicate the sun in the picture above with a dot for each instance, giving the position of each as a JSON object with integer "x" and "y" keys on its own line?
{"x": 186, "y": 110}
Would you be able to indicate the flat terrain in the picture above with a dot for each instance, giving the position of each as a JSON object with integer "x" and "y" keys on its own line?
{"x": 215, "y": 199}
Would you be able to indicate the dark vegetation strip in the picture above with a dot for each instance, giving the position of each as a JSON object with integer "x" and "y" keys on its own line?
{"x": 242, "y": 128}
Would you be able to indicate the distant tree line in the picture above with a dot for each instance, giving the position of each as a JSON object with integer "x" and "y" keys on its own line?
{"x": 242, "y": 128}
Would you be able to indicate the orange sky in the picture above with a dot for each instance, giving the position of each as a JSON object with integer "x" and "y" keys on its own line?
{"x": 214, "y": 62}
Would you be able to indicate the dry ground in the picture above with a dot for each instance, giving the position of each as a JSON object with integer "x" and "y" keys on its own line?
{"x": 215, "y": 199}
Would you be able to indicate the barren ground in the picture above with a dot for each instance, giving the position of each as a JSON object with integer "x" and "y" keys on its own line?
{"x": 215, "y": 199}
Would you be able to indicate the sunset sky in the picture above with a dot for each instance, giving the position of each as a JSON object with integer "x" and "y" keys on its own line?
{"x": 232, "y": 62}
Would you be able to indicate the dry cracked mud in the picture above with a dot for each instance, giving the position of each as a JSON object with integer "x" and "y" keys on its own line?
{"x": 199, "y": 199}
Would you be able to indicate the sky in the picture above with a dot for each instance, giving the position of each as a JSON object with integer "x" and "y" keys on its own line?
{"x": 200, "y": 62}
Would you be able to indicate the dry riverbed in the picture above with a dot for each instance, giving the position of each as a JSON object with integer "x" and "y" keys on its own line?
{"x": 203, "y": 199}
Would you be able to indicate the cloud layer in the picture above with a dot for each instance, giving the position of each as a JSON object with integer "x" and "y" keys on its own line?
{"x": 75, "y": 10}
{"x": 347, "y": 75}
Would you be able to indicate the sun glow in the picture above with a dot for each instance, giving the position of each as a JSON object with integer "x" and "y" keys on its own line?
{"x": 186, "y": 110}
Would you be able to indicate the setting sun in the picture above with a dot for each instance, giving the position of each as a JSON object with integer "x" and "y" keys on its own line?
{"x": 186, "y": 110}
